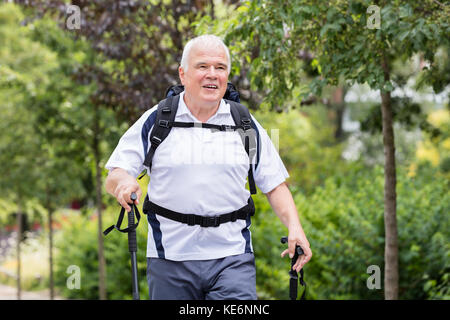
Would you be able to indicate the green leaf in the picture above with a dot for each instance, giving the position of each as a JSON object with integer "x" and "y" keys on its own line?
{"x": 388, "y": 87}
{"x": 324, "y": 30}
{"x": 402, "y": 36}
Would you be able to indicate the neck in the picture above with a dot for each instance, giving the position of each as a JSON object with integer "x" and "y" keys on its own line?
{"x": 202, "y": 111}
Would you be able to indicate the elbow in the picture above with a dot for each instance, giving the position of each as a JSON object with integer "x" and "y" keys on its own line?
{"x": 276, "y": 189}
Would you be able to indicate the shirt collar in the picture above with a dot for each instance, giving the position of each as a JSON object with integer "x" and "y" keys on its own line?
{"x": 224, "y": 108}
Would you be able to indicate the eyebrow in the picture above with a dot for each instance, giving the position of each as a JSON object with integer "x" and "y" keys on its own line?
{"x": 220, "y": 64}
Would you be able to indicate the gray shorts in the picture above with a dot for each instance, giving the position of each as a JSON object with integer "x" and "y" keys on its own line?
{"x": 229, "y": 278}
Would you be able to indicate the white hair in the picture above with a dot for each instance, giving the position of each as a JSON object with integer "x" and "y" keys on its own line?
{"x": 205, "y": 40}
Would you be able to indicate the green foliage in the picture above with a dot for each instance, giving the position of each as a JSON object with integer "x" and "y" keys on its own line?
{"x": 24, "y": 69}
{"x": 25, "y": 63}
{"x": 77, "y": 245}
{"x": 424, "y": 227}
{"x": 344, "y": 223}
{"x": 272, "y": 279}
{"x": 339, "y": 37}
{"x": 340, "y": 205}
{"x": 42, "y": 108}
{"x": 438, "y": 76}
{"x": 304, "y": 139}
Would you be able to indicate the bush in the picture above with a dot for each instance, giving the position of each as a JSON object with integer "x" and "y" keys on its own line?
{"x": 343, "y": 221}
{"x": 306, "y": 145}
{"x": 78, "y": 245}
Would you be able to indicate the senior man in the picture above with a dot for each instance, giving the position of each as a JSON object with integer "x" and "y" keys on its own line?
{"x": 199, "y": 171}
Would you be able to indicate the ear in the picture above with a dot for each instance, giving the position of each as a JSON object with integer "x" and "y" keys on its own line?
{"x": 181, "y": 74}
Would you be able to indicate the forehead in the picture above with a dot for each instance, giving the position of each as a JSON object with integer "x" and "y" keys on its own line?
{"x": 208, "y": 53}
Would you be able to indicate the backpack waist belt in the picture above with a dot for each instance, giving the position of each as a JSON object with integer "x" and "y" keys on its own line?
{"x": 203, "y": 221}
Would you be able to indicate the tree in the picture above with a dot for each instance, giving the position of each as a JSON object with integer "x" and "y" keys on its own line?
{"x": 138, "y": 45}
{"x": 37, "y": 88}
{"x": 76, "y": 131}
{"x": 21, "y": 73}
{"x": 349, "y": 45}
{"x": 134, "y": 45}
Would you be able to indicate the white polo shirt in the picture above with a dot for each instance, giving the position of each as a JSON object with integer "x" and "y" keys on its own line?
{"x": 199, "y": 171}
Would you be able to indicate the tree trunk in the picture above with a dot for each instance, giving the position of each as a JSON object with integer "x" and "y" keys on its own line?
{"x": 390, "y": 197}
{"x": 211, "y": 12}
{"x": 19, "y": 240}
{"x": 98, "y": 187}
{"x": 337, "y": 104}
{"x": 50, "y": 244}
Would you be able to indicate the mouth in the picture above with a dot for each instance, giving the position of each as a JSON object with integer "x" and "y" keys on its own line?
{"x": 211, "y": 87}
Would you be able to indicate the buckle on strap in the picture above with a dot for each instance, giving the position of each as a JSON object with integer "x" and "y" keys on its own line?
{"x": 246, "y": 124}
{"x": 156, "y": 141}
{"x": 226, "y": 127}
{"x": 164, "y": 123}
{"x": 210, "y": 221}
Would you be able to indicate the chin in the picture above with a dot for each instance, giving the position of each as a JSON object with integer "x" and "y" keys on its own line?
{"x": 213, "y": 97}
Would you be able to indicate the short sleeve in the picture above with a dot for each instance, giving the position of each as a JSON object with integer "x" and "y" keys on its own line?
{"x": 270, "y": 171}
{"x": 130, "y": 152}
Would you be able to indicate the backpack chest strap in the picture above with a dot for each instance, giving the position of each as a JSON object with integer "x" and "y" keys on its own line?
{"x": 203, "y": 221}
{"x": 179, "y": 124}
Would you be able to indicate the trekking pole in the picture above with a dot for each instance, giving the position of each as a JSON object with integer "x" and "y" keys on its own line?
{"x": 294, "y": 278}
{"x": 132, "y": 242}
{"x": 132, "y": 247}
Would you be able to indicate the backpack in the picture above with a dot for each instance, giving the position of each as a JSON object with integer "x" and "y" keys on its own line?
{"x": 165, "y": 121}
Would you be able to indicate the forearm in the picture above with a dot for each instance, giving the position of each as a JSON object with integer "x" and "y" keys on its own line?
{"x": 283, "y": 204}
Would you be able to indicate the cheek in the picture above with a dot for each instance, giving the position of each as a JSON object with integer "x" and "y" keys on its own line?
{"x": 191, "y": 82}
{"x": 224, "y": 82}
{"x": 198, "y": 78}
{"x": 224, "y": 77}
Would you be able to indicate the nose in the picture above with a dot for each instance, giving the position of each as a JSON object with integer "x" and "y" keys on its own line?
{"x": 211, "y": 72}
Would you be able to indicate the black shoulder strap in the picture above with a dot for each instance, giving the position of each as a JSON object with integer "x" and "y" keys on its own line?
{"x": 241, "y": 117}
{"x": 167, "y": 110}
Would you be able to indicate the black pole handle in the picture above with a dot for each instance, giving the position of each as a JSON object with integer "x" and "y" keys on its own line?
{"x": 132, "y": 242}
{"x": 294, "y": 278}
{"x": 132, "y": 247}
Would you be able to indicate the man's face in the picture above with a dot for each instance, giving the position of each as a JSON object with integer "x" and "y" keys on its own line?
{"x": 205, "y": 80}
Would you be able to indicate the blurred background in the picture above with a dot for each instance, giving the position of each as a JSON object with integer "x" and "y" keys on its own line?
{"x": 355, "y": 95}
